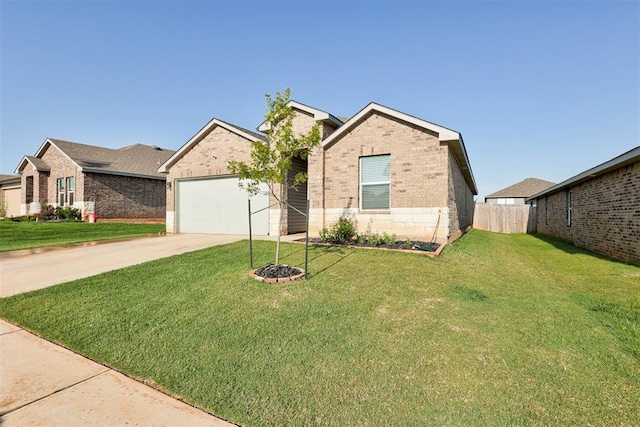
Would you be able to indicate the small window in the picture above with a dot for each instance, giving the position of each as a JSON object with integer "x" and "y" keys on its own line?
{"x": 71, "y": 189}
{"x": 569, "y": 207}
{"x": 60, "y": 182}
{"x": 546, "y": 210}
{"x": 375, "y": 182}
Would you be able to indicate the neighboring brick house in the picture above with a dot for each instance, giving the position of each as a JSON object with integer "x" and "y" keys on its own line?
{"x": 111, "y": 183}
{"x": 387, "y": 170}
{"x": 517, "y": 193}
{"x": 10, "y": 195}
{"x": 598, "y": 209}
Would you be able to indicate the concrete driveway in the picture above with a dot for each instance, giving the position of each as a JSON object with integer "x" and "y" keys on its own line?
{"x": 23, "y": 271}
{"x": 45, "y": 384}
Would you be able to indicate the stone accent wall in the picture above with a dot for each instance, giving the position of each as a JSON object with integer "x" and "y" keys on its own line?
{"x": 129, "y": 197}
{"x": 605, "y": 214}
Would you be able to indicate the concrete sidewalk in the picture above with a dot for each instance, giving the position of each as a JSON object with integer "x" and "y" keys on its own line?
{"x": 44, "y": 384}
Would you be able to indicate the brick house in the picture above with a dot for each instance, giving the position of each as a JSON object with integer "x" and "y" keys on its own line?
{"x": 387, "y": 170}
{"x": 517, "y": 193}
{"x": 111, "y": 183}
{"x": 598, "y": 209}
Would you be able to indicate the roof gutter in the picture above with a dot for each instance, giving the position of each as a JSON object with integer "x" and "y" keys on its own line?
{"x": 627, "y": 158}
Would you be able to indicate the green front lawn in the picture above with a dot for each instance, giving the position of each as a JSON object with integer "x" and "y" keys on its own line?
{"x": 501, "y": 330}
{"x": 27, "y": 235}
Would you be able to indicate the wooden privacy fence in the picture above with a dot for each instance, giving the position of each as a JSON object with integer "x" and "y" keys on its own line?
{"x": 505, "y": 218}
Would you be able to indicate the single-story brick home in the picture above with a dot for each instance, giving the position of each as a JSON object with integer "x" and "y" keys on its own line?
{"x": 111, "y": 183}
{"x": 598, "y": 209}
{"x": 517, "y": 193}
{"x": 10, "y": 195}
{"x": 387, "y": 170}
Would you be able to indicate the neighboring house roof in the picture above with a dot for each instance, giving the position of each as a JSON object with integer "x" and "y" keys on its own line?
{"x": 6, "y": 180}
{"x": 202, "y": 133}
{"x": 629, "y": 157}
{"x": 134, "y": 160}
{"x": 318, "y": 115}
{"x": 451, "y": 137}
{"x": 524, "y": 188}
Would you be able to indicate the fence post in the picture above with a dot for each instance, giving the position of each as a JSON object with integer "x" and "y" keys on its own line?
{"x": 250, "y": 238}
{"x": 306, "y": 247}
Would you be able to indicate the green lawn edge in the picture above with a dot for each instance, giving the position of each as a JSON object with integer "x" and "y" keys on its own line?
{"x": 502, "y": 329}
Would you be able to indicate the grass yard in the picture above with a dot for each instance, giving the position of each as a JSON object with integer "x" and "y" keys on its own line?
{"x": 27, "y": 235}
{"x": 501, "y": 330}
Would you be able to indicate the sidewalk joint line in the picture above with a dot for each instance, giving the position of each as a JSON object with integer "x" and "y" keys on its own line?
{"x": 56, "y": 392}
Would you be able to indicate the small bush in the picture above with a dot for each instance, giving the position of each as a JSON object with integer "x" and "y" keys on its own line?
{"x": 389, "y": 239}
{"x": 341, "y": 231}
{"x": 47, "y": 213}
{"x": 375, "y": 239}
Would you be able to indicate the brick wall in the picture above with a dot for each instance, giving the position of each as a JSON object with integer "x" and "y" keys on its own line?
{"x": 118, "y": 196}
{"x": 208, "y": 157}
{"x": 419, "y": 178}
{"x": 460, "y": 200}
{"x": 605, "y": 214}
{"x": 61, "y": 167}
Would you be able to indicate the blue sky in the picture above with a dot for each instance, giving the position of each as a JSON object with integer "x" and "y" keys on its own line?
{"x": 537, "y": 88}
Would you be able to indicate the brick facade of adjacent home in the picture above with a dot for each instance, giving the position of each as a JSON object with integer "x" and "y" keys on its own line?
{"x": 112, "y": 183}
{"x": 125, "y": 197}
{"x": 598, "y": 210}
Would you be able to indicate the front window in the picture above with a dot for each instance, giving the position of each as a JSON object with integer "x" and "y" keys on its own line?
{"x": 71, "y": 189}
{"x": 375, "y": 182}
{"x": 60, "y": 191}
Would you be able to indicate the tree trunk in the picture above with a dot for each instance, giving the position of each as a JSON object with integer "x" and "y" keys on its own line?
{"x": 282, "y": 206}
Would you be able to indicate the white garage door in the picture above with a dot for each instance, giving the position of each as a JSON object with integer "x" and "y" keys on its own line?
{"x": 218, "y": 206}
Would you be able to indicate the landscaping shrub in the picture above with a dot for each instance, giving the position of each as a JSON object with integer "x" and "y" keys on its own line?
{"x": 341, "y": 231}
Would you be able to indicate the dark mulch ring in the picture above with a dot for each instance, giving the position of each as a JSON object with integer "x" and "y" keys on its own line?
{"x": 399, "y": 244}
{"x": 272, "y": 271}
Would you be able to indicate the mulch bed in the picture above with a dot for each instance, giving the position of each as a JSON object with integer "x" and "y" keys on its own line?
{"x": 399, "y": 245}
{"x": 273, "y": 271}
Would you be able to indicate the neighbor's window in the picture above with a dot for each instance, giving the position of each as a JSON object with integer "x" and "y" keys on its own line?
{"x": 375, "y": 182}
{"x": 546, "y": 210}
{"x": 60, "y": 191}
{"x": 569, "y": 207}
{"x": 71, "y": 189}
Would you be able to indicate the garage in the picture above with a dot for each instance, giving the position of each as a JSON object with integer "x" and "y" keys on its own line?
{"x": 10, "y": 198}
{"x": 218, "y": 206}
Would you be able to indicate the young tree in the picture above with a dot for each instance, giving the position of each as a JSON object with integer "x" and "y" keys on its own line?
{"x": 271, "y": 161}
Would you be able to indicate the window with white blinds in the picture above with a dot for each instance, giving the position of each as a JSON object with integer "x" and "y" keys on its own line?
{"x": 375, "y": 182}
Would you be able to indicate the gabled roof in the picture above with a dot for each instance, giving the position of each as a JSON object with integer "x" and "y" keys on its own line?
{"x": 135, "y": 160}
{"x": 318, "y": 115}
{"x": 524, "y": 188}
{"x": 624, "y": 159}
{"x": 448, "y": 136}
{"x": 202, "y": 133}
{"x": 37, "y": 163}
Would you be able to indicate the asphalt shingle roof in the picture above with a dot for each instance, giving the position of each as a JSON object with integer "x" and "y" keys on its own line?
{"x": 135, "y": 159}
{"x": 524, "y": 188}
